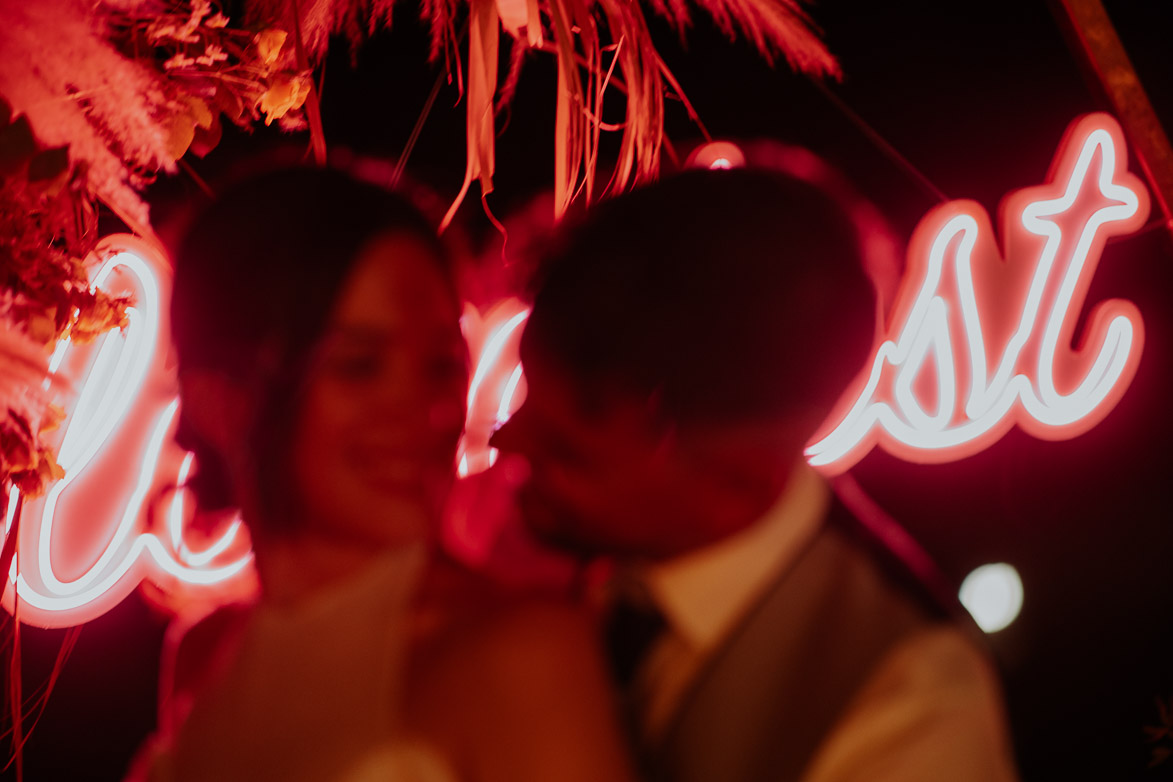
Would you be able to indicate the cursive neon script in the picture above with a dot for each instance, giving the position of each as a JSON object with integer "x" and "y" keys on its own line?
{"x": 84, "y": 546}
{"x": 979, "y": 341}
{"x": 87, "y": 544}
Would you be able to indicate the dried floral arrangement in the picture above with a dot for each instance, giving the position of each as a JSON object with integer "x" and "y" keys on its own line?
{"x": 47, "y": 226}
{"x": 101, "y": 96}
{"x": 94, "y": 103}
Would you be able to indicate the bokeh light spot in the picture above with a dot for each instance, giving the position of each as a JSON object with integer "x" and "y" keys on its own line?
{"x": 993, "y": 595}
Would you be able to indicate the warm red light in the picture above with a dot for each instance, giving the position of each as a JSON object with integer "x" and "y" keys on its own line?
{"x": 978, "y": 341}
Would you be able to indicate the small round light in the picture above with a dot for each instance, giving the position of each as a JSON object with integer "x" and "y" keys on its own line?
{"x": 993, "y": 595}
{"x": 717, "y": 155}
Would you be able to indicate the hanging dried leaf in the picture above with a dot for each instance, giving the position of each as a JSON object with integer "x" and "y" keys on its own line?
{"x": 483, "y": 37}
{"x": 269, "y": 43}
{"x": 517, "y": 56}
{"x": 180, "y": 132}
{"x": 199, "y": 111}
{"x": 643, "y": 127}
{"x": 441, "y": 16}
{"x": 287, "y": 92}
{"x": 514, "y": 16}
{"x": 569, "y": 121}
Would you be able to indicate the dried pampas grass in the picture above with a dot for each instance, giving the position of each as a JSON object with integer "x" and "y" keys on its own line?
{"x": 77, "y": 90}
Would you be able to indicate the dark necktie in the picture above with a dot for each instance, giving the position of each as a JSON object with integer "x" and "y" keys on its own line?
{"x": 631, "y": 630}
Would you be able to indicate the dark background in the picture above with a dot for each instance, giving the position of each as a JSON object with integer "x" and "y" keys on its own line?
{"x": 976, "y": 97}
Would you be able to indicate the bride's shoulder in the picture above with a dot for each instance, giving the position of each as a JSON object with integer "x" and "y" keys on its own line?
{"x": 508, "y": 670}
{"x": 465, "y": 614}
{"x": 489, "y": 646}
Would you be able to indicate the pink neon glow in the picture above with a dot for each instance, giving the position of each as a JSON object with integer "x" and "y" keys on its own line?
{"x": 84, "y": 546}
{"x": 496, "y": 388}
{"x": 978, "y": 342}
{"x": 175, "y": 518}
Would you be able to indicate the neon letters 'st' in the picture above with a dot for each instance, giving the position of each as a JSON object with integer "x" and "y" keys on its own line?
{"x": 979, "y": 340}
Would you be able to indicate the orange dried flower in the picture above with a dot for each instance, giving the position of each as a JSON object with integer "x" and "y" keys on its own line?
{"x": 287, "y": 92}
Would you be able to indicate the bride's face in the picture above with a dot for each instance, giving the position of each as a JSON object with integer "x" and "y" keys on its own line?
{"x": 384, "y": 402}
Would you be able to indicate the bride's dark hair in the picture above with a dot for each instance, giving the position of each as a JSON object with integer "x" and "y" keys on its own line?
{"x": 256, "y": 275}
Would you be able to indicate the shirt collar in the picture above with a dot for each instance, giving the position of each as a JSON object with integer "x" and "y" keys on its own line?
{"x": 703, "y": 593}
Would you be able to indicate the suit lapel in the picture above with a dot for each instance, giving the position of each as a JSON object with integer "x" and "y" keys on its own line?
{"x": 764, "y": 700}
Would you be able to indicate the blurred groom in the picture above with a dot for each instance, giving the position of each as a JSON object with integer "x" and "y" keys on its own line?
{"x": 685, "y": 343}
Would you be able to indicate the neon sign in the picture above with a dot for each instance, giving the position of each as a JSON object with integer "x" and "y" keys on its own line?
{"x": 979, "y": 341}
{"x": 477, "y": 507}
{"x": 497, "y": 385}
{"x": 88, "y": 543}
{"x": 84, "y": 546}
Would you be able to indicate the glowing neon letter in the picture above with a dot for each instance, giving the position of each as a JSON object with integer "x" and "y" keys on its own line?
{"x": 85, "y": 546}
{"x": 979, "y": 341}
{"x": 493, "y": 392}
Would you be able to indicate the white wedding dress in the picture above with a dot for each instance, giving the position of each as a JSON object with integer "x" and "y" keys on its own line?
{"x": 311, "y": 693}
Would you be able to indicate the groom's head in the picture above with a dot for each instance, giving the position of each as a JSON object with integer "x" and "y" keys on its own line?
{"x": 685, "y": 343}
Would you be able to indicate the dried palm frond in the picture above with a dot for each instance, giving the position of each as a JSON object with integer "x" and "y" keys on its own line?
{"x": 601, "y": 46}
{"x": 483, "y": 38}
{"x": 441, "y": 17}
{"x": 775, "y": 26}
